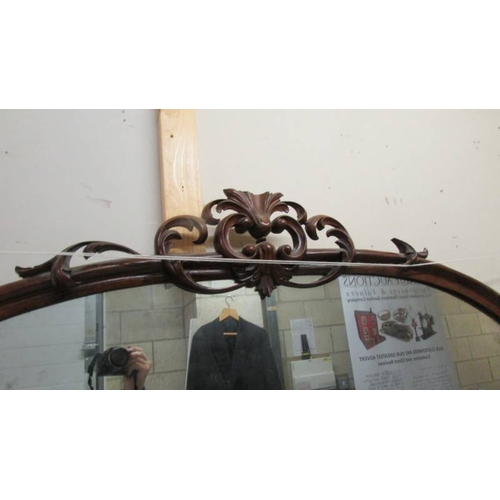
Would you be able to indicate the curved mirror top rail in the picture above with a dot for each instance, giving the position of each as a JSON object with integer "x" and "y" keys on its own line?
{"x": 258, "y": 264}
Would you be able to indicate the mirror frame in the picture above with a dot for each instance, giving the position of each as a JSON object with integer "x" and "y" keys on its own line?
{"x": 257, "y": 264}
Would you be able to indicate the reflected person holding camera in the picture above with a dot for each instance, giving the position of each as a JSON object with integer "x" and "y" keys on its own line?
{"x": 130, "y": 362}
{"x": 139, "y": 363}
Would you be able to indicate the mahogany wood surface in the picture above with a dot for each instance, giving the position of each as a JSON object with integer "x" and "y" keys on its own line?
{"x": 259, "y": 216}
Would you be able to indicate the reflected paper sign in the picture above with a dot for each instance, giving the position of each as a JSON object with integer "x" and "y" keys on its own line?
{"x": 396, "y": 336}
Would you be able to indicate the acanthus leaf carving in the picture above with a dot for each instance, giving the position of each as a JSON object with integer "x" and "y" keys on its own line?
{"x": 60, "y": 265}
{"x": 166, "y": 234}
{"x": 257, "y": 215}
{"x": 411, "y": 254}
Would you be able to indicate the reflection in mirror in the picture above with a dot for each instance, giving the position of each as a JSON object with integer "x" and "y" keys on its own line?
{"x": 419, "y": 338}
{"x": 428, "y": 340}
{"x": 42, "y": 349}
{"x": 317, "y": 313}
{"x": 468, "y": 337}
{"x": 162, "y": 319}
{"x": 474, "y": 342}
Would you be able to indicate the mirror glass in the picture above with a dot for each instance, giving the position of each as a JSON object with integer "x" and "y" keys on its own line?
{"x": 384, "y": 333}
{"x": 357, "y": 332}
{"x": 42, "y": 349}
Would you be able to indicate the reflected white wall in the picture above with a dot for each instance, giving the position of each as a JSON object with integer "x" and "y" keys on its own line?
{"x": 43, "y": 349}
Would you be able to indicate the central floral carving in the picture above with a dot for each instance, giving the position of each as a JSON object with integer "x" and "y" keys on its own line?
{"x": 253, "y": 214}
{"x": 258, "y": 264}
{"x": 263, "y": 266}
{"x": 258, "y": 215}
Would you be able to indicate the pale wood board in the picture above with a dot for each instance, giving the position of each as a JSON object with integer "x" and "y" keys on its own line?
{"x": 179, "y": 170}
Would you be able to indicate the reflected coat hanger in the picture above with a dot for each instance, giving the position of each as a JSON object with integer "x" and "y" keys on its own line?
{"x": 228, "y": 312}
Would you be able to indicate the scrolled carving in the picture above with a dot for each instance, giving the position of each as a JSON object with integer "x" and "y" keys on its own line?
{"x": 411, "y": 254}
{"x": 255, "y": 211}
{"x": 259, "y": 264}
{"x": 166, "y": 235}
{"x": 253, "y": 214}
{"x": 175, "y": 269}
{"x": 60, "y": 265}
{"x": 183, "y": 279}
{"x": 295, "y": 231}
{"x": 344, "y": 241}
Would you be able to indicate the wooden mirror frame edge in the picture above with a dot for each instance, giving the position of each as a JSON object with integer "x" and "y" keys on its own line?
{"x": 55, "y": 281}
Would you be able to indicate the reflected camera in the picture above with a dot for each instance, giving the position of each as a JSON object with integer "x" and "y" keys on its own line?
{"x": 113, "y": 362}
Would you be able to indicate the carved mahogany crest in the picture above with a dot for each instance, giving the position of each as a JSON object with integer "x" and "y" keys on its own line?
{"x": 259, "y": 264}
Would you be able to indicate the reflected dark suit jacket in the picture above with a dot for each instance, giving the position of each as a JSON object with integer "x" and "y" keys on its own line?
{"x": 244, "y": 361}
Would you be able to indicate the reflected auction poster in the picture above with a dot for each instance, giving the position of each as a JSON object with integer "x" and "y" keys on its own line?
{"x": 396, "y": 336}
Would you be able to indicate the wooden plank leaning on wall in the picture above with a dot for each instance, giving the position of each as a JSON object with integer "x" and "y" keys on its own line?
{"x": 179, "y": 170}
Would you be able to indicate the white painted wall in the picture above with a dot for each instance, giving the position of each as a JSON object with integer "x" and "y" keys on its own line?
{"x": 427, "y": 177}
{"x": 73, "y": 175}
{"x": 430, "y": 178}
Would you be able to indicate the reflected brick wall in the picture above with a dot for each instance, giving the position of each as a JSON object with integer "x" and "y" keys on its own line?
{"x": 474, "y": 342}
{"x": 324, "y": 306}
{"x": 156, "y": 318}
